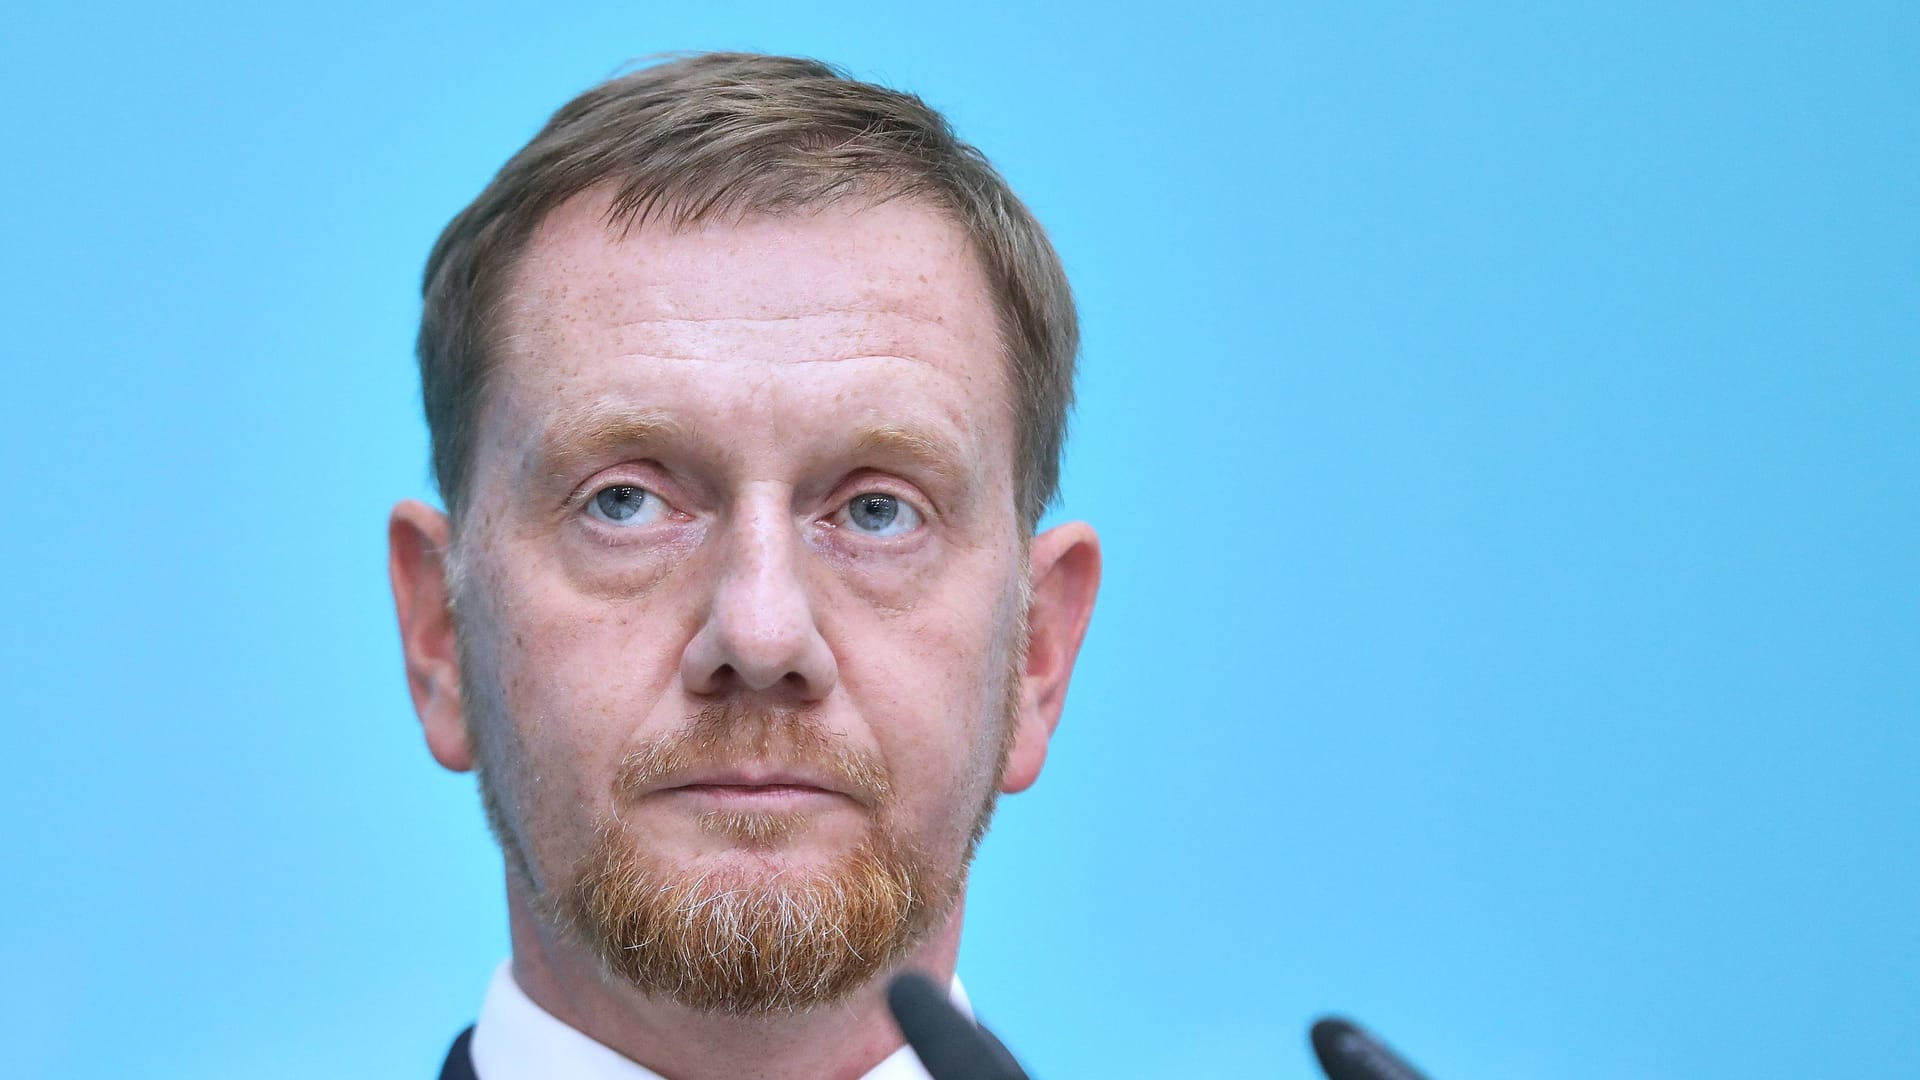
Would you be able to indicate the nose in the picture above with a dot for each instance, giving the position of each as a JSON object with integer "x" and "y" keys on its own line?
{"x": 759, "y": 632}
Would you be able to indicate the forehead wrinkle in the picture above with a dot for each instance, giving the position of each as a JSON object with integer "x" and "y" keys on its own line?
{"x": 892, "y": 308}
{"x": 877, "y": 335}
{"x": 769, "y": 361}
{"x": 558, "y": 286}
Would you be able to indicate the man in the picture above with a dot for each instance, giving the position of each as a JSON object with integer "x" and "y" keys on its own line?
{"x": 747, "y": 384}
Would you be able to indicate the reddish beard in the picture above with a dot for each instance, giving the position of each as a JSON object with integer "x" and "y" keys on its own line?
{"x": 743, "y": 940}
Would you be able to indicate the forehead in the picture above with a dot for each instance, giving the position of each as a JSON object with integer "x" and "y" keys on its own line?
{"x": 893, "y": 278}
{"x": 795, "y": 325}
{"x": 891, "y": 252}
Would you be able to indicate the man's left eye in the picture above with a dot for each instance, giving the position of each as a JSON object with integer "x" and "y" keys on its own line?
{"x": 877, "y": 514}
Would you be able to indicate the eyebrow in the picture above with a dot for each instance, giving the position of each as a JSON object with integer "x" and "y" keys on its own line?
{"x": 929, "y": 451}
{"x": 594, "y": 430}
{"x": 600, "y": 430}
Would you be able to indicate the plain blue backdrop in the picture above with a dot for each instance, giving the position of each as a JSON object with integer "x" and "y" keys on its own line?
{"x": 1503, "y": 420}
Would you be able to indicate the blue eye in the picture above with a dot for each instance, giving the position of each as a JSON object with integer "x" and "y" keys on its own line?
{"x": 881, "y": 515}
{"x": 626, "y": 504}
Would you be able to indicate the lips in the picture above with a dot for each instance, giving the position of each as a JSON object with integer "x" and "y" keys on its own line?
{"x": 747, "y": 779}
{"x": 732, "y": 753}
{"x": 764, "y": 787}
{"x": 754, "y": 789}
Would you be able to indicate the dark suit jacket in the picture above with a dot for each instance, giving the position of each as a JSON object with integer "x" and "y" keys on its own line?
{"x": 459, "y": 1064}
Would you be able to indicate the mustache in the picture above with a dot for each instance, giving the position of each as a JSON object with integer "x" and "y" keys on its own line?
{"x": 728, "y": 733}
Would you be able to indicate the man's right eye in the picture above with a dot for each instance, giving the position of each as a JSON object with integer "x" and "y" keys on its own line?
{"x": 626, "y": 505}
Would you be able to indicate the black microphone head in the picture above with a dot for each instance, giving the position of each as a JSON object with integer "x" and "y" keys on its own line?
{"x": 1347, "y": 1052}
{"x": 949, "y": 1045}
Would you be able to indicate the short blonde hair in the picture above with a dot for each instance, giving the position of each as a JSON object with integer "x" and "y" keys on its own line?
{"x": 725, "y": 135}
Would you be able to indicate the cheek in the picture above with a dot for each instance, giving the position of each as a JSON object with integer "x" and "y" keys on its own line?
{"x": 585, "y": 659}
{"x": 936, "y": 706}
{"x": 893, "y": 583}
{"x": 574, "y": 680}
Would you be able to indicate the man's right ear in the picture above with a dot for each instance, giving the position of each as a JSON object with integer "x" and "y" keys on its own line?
{"x": 418, "y": 539}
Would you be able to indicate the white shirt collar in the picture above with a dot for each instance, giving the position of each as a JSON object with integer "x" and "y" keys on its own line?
{"x": 515, "y": 1039}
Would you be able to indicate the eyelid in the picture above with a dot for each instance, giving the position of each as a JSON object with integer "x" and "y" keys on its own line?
{"x": 876, "y": 482}
{"x": 841, "y": 517}
{"x": 639, "y": 473}
{"x": 651, "y": 509}
{"x": 580, "y": 510}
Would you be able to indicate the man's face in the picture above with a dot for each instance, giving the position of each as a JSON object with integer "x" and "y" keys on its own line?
{"x": 740, "y": 580}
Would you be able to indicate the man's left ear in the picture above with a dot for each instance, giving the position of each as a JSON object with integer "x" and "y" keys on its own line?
{"x": 1065, "y": 575}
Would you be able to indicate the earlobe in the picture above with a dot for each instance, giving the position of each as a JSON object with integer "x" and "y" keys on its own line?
{"x": 418, "y": 537}
{"x": 1065, "y": 569}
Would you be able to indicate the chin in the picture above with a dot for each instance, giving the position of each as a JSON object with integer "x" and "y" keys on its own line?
{"x": 746, "y": 930}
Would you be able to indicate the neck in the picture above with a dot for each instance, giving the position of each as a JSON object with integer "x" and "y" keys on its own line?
{"x": 842, "y": 1041}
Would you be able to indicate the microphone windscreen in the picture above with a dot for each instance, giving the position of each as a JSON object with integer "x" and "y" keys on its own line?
{"x": 949, "y": 1045}
{"x": 1347, "y": 1052}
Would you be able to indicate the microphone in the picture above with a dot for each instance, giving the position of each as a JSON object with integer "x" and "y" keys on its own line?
{"x": 1347, "y": 1052}
{"x": 951, "y": 1046}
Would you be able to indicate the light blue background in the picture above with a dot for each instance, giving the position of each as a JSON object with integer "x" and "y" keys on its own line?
{"x": 1503, "y": 420}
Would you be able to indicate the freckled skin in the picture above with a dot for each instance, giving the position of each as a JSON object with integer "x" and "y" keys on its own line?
{"x": 758, "y": 349}
{"x": 769, "y": 342}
